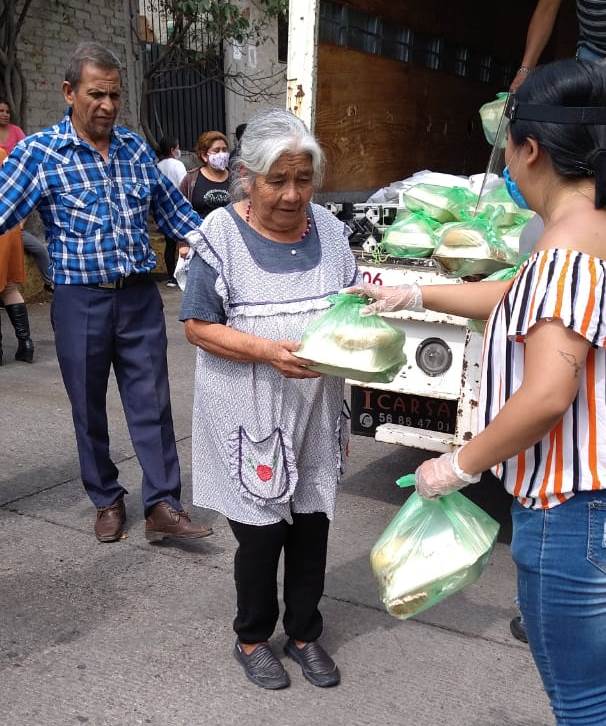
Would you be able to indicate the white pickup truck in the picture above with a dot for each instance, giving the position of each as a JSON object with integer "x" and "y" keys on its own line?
{"x": 432, "y": 402}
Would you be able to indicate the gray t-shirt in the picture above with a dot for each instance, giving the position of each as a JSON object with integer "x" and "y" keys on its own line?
{"x": 200, "y": 299}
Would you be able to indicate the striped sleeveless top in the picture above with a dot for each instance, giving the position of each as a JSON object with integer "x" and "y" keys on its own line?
{"x": 570, "y": 286}
{"x": 592, "y": 24}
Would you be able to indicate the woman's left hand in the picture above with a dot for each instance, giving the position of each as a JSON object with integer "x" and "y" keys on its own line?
{"x": 440, "y": 476}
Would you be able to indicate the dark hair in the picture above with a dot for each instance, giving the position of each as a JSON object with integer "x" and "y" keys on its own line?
{"x": 4, "y": 101}
{"x": 93, "y": 53}
{"x": 166, "y": 145}
{"x": 576, "y": 150}
{"x": 240, "y": 129}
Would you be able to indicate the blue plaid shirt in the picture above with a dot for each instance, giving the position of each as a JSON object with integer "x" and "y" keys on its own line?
{"x": 95, "y": 212}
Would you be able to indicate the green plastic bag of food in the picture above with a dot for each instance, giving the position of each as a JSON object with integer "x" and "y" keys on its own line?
{"x": 410, "y": 235}
{"x": 499, "y": 197}
{"x": 491, "y": 114}
{"x": 431, "y": 549}
{"x": 343, "y": 343}
{"x": 473, "y": 248}
{"x": 439, "y": 203}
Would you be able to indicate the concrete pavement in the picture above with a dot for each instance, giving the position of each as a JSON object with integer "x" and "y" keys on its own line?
{"x": 131, "y": 633}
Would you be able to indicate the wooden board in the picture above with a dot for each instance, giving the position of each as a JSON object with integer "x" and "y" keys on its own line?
{"x": 379, "y": 120}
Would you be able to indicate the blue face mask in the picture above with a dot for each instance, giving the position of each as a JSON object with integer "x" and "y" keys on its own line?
{"x": 514, "y": 190}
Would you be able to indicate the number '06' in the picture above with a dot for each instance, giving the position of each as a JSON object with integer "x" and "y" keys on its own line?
{"x": 376, "y": 280}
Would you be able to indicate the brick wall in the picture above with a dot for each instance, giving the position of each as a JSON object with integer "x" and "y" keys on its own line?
{"x": 52, "y": 30}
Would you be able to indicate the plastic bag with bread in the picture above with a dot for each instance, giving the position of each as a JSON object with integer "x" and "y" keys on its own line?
{"x": 412, "y": 234}
{"x": 473, "y": 247}
{"x": 430, "y": 550}
{"x": 343, "y": 343}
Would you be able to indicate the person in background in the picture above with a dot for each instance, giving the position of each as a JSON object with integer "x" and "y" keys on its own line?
{"x": 173, "y": 168}
{"x": 95, "y": 184}
{"x": 10, "y": 135}
{"x": 12, "y": 274}
{"x": 269, "y": 435}
{"x": 543, "y": 387}
{"x": 207, "y": 187}
{"x": 591, "y": 45}
{"x": 240, "y": 129}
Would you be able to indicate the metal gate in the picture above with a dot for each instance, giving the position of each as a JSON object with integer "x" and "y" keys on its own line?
{"x": 185, "y": 95}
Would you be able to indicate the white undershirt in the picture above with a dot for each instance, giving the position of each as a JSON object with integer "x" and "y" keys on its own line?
{"x": 173, "y": 169}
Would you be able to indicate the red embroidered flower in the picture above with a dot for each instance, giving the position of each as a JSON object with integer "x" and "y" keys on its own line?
{"x": 264, "y": 472}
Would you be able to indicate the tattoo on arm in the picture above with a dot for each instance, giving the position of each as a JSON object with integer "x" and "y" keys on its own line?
{"x": 572, "y": 362}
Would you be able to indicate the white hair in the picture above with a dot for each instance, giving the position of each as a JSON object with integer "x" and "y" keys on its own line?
{"x": 270, "y": 134}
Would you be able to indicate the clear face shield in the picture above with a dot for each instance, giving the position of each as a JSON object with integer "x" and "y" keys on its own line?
{"x": 496, "y": 162}
{"x": 513, "y": 110}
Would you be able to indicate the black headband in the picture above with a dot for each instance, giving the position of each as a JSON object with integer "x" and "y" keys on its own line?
{"x": 591, "y": 115}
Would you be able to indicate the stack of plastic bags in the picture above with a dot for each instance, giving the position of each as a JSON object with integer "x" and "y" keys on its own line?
{"x": 466, "y": 235}
{"x": 430, "y": 550}
{"x": 343, "y": 343}
{"x": 439, "y": 203}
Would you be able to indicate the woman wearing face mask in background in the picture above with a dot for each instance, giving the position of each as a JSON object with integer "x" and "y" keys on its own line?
{"x": 173, "y": 168}
{"x": 543, "y": 393}
{"x": 207, "y": 187}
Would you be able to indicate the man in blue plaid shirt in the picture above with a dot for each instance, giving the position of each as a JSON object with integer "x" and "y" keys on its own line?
{"x": 94, "y": 185}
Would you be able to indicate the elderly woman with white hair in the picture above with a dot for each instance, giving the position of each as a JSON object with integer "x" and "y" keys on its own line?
{"x": 268, "y": 435}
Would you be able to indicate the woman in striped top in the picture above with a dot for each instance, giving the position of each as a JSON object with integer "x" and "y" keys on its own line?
{"x": 543, "y": 396}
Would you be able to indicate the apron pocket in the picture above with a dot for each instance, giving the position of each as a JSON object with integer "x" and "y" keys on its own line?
{"x": 265, "y": 470}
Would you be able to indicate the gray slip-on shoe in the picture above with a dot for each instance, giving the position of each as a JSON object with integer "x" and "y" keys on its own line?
{"x": 317, "y": 666}
{"x": 262, "y": 667}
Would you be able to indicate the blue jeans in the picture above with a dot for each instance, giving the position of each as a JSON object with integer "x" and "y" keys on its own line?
{"x": 560, "y": 554}
{"x": 587, "y": 54}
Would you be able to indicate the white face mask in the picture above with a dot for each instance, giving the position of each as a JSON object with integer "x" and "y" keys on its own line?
{"x": 177, "y": 154}
{"x": 219, "y": 161}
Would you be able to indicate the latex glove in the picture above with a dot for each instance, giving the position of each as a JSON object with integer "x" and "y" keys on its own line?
{"x": 388, "y": 299}
{"x": 443, "y": 475}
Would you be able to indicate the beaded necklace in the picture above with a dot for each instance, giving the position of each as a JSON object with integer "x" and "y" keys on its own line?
{"x": 303, "y": 236}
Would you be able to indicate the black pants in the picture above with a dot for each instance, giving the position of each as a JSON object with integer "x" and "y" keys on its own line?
{"x": 170, "y": 255}
{"x": 256, "y": 568}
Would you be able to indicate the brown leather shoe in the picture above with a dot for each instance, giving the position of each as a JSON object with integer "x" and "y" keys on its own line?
{"x": 164, "y": 521}
{"x": 109, "y": 525}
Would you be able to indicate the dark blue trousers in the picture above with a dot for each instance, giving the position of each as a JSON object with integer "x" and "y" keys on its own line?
{"x": 95, "y": 329}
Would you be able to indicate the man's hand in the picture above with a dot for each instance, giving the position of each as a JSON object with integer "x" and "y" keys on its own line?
{"x": 520, "y": 77}
{"x": 280, "y": 356}
{"x": 184, "y": 250}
